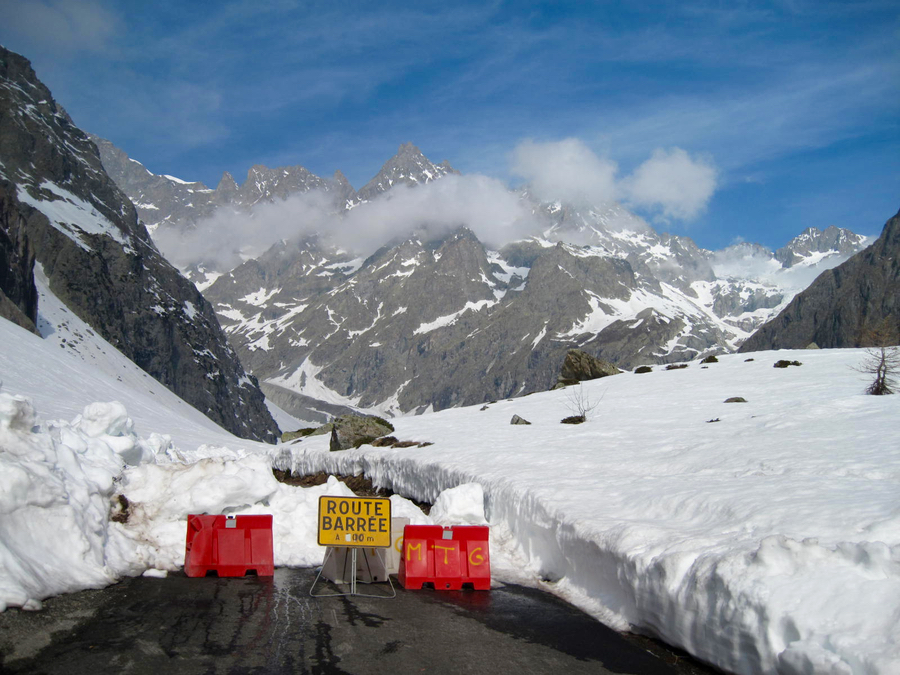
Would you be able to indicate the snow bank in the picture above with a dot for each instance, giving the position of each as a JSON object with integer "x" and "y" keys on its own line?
{"x": 55, "y": 485}
{"x": 461, "y": 505}
{"x": 59, "y": 483}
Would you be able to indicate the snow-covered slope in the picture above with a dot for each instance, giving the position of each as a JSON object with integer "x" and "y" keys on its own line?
{"x": 65, "y": 213}
{"x": 72, "y": 367}
{"x": 761, "y": 536}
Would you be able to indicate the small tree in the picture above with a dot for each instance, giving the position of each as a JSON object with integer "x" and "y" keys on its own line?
{"x": 882, "y": 360}
{"x": 579, "y": 403}
{"x": 884, "y": 364}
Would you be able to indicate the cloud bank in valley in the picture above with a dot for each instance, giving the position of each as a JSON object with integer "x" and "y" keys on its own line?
{"x": 749, "y": 262}
{"x": 230, "y": 237}
{"x": 484, "y": 205}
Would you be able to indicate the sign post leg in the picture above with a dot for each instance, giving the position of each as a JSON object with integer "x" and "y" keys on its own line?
{"x": 353, "y": 580}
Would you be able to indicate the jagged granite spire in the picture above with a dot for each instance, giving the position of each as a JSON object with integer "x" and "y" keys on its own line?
{"x": 343, "y": 190}
{"x": 226, "y": 190}
{"x": 408, "y": 167}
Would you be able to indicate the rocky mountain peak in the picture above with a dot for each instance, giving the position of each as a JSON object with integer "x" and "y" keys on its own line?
{"x": 227, "y": 186}
{"x": 265, "y": 184}
{"x": 408, "y": 167}
{"x": 342, "y": 189}
{"x": 844, "y": 303}
{"x": 812, "y": 241}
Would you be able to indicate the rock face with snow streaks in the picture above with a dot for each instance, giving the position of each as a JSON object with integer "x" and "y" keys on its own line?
{"x": 408, "y": 167}
{"x": 813, "y": 243}
{"x": 18, "y": 294}
{"x": 435, "y": 324}
{"x": 101, "y": 262}
{"x": 843, "y": 303}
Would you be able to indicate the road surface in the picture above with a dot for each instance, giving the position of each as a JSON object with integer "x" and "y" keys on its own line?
{"x": 214, "y": 626}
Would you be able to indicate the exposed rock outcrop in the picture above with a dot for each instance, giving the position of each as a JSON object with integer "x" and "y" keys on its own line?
{"x": 581, "y": 367}
{"x": 352, "y": 431}
{"x": 18, "y": 294}
{"x": 408, "y": 167}
{"x": 169, "y": 202}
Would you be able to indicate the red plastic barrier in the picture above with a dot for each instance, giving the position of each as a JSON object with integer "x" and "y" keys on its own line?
{"x": 231, "y": 546}
{"x": 446, "y": 557}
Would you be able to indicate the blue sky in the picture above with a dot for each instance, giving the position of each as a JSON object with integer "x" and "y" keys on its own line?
{"x": 794, "y": 104}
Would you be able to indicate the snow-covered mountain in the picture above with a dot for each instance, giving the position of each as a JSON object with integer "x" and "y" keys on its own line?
{"x": 164, "y": 201}
{"x": 436, "y": 318}
{"x": 59, "y": 209}
{"x": 408, "y": 167}
{"x": 854, "y": 304}
{"x": 448, "y": 322}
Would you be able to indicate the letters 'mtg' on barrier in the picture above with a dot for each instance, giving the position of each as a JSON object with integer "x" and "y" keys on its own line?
{"x": 355, "y": 521}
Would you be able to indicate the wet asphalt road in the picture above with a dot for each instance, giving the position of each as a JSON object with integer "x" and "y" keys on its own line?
{"x": 272, "y": 625}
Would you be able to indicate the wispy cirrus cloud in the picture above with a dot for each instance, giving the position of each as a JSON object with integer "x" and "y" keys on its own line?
{"x": 60, "y": 26}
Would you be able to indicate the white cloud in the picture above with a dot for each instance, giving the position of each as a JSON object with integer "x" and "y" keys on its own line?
{"x": 484, "y": 205}
{"x": 229, "y": 237}
{"x": 750, "y": 262}
{"x": 672, "y": 183}
{"x": 567, "y": 170}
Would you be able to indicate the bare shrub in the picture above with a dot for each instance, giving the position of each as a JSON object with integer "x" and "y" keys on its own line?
{"x": 579, "y": 403}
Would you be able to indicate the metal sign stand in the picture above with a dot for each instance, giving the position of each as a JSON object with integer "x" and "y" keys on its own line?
{"x": 353, "y": 580}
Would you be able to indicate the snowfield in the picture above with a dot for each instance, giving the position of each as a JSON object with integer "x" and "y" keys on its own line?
{"x": 762, "y": 537}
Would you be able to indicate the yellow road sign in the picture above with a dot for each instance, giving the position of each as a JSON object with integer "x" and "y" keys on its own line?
{"x": 355, "y": 521}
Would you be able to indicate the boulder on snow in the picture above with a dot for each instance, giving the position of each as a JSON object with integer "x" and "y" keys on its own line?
{"x": 352, "y": 431}
{"x": 580, "y": 367}
{"x": 518, "y": 420}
